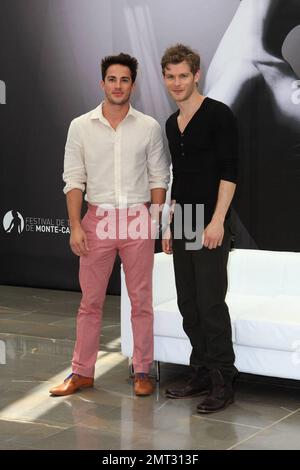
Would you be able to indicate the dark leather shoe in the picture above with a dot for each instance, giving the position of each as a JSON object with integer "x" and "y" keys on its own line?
{"x": 194, "y": 388}
{"x": 220, "y": 396}
{"x": 71, "y": 384}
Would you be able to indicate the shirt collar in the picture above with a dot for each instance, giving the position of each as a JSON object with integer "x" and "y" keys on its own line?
{"x": 98, "y": 114}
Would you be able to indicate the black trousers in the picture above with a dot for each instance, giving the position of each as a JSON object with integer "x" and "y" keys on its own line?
{"x": 201, "y": 282}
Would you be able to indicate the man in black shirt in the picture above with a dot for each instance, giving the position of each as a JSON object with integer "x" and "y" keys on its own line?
{"x": 203, "y": 142}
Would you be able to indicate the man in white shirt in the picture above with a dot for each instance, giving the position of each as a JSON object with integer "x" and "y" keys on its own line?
{"x": 115, "y": 154}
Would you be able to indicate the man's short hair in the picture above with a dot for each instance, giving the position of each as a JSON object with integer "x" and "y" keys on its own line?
{"x": 179, "y": 53}
{"x": 120, "y": 59}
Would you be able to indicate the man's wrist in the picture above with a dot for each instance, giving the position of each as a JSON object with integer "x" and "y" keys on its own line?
{"x": 75, "y": 224}
{"x": 218, "y": 218}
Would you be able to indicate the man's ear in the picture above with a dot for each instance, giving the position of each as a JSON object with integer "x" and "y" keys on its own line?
{"x": 101, "y": 84}
{"x": 197, "y": 76}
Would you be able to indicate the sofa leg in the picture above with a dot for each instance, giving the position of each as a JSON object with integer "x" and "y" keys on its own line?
{"x": 157, "y": 370}
{"x": 131, "y": 369}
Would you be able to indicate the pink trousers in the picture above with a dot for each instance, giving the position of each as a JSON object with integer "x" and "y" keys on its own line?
{"x": 137, "y": 255}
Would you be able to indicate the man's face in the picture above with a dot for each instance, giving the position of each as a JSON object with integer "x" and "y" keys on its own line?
{"x": 180, "y": 81}
{"x": 117, "y": 85}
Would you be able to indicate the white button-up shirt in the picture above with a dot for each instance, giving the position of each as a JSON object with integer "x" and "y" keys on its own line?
{"x": 116, "y": 167}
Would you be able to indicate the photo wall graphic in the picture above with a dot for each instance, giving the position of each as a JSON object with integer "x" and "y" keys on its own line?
{"x": 50, "y": 51}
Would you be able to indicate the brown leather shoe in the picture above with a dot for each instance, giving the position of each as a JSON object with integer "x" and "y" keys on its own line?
{"x": 71, "y": 384}
{"x": 143, "y": 386}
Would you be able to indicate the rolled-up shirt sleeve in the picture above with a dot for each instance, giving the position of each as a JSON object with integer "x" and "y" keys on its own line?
{"x": 227, "y": 145}
{"x": 158, "y": 160}
{"x": 74, "y": 174}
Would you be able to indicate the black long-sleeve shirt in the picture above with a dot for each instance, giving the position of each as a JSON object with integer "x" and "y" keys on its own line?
{"x": 205, "y": 153}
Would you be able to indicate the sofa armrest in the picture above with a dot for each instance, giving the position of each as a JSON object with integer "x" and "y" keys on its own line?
{"x": 163, "y": 290}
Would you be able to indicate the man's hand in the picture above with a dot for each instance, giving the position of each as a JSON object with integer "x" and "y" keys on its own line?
{"x": 213, "y": 234}
{"x": 167, "y": 242}
{"x": 78, "y": 241}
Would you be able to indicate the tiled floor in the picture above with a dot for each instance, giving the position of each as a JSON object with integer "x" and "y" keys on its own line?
{"x": 37, "y": 329}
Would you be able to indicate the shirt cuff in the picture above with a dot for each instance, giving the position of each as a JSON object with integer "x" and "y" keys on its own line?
{"x": 158, "y": 185}
{"x": 70, "y": 186}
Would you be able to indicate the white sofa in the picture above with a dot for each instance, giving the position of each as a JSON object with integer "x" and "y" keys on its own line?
{"x": 264, "y": 303}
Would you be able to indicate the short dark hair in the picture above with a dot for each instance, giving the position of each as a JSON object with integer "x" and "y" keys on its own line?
{"x": 121, "y": 59}
{"x": 179, "y": 53}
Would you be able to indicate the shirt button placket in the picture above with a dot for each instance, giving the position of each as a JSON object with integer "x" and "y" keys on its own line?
{"x": 182, "y": 145}
{"x": 118, "y": 165}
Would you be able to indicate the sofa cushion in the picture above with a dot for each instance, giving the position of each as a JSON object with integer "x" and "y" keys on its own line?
{"x": 262, "y": 272}
{"x": 256, "y": 321}
{"x": 255, "y": 272}
{"x": 266, "y": 322}
{"x": 168, "y": 321}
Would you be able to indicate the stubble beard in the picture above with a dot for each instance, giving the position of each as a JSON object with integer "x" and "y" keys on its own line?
{"x": 117, "y": 102}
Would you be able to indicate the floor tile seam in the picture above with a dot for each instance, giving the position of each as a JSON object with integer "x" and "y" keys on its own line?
{"x": 229, "y": 422}
{"x": 264, "y": 429}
